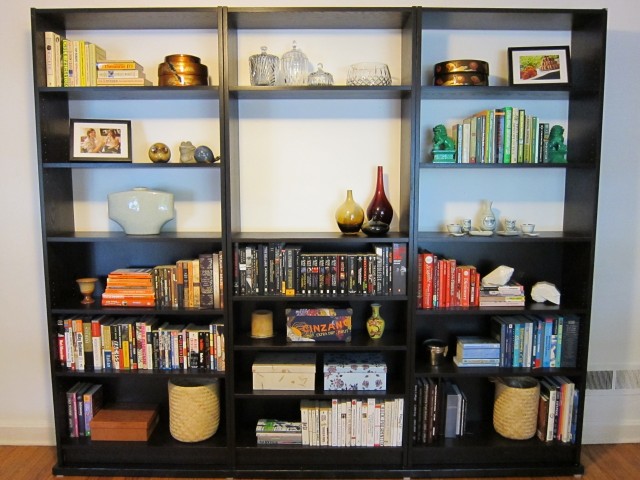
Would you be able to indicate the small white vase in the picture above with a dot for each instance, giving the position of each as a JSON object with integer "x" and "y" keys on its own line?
{"x": 141, "y": 211}
{"x": 487, "y": 217}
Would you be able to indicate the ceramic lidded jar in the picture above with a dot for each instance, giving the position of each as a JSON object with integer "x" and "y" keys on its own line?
{"x": 141, "y": 211}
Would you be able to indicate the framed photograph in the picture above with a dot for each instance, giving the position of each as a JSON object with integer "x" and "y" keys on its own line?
{"x": 539, "y": 65}
{"x": 100, "y": 140}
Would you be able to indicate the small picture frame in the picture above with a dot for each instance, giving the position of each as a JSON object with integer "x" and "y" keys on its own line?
{"x": 100, "y": 140}
{"x": 539, "y": 66}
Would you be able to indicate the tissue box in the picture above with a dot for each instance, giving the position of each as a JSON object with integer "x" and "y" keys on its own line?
{"x": 354, "y": 371}
{"x": 284, "y": 371}
{"x": 319, "y": 324}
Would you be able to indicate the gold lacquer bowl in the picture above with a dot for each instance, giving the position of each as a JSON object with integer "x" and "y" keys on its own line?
{"x": 180, "y": 79}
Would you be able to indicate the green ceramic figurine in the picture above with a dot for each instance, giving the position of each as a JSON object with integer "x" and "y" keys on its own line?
{"x": 444, "y": 148}
{"x": 557, "y": 149}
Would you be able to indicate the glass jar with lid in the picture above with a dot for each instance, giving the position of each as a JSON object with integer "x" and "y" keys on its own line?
{"x": 320, "y": 77}
{"x": 263, "y": 68}
{"x": 294, "y": 67}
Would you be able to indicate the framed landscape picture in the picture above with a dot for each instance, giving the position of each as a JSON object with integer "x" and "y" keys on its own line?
{"x": 539, "y": 66}
{"x": 100, "y": 140}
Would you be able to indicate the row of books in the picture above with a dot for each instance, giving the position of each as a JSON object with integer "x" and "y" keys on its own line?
{"x": 280, "y": 269}
{"x": 536, "y": 341}
{"x": 352, "y": 422}
{"x": 501, "y": 135}
{"x": 84, "y": 400}
{"x": 439, "y": 409}
{"x": 189, "y": 283}
{"x": 443, "y": 283}
{"x": 557, "y": 410}
{"x": 79, "y": 63}
{"x": 103, "y": 342}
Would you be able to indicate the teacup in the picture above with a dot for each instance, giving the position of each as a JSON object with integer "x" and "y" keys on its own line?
{"x": 528, "y": 227}
{"x": 510, "y": 224}
{"x": 454, "y": 228}
{"x": 466, "y": 225}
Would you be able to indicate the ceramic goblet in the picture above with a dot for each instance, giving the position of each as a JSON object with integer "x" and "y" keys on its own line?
{"x": 87, "y": 287}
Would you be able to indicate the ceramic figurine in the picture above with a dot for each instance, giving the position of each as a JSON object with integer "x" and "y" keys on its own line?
{"x": 444, "y": 148}
{"x": 159, "y": 153}
{"x": 204, "y": 154}
{"x": 557, "y": 149}
{"x": 187, "y": 151}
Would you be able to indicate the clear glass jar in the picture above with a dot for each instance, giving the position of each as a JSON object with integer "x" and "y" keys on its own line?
{"x": 320, "y": 77}
{"x": 294, "y": 67}
{"x": 263, "y": 68}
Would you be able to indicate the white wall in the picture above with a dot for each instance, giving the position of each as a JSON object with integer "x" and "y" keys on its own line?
{"x": 25, "y": 399}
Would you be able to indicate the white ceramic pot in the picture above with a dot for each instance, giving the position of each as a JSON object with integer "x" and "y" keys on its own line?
{"x": 141, "y": 211}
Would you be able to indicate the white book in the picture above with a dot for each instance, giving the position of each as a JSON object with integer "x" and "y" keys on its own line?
{"x": 49, "y": 51}
{"x": 400, "y": 423}
{"x": 335, "y": 415}
{"x": 371, "y": 420}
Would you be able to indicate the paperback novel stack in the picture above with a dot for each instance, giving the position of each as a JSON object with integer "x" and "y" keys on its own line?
{"x": 509, "y": 295}
{"x": 477, "y": 351}
{"x": 121, "y": 73}
{"x": 278, "y": 432}
{"x": 129, "y": 287}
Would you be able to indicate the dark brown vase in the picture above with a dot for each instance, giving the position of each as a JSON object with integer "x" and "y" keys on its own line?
{"x": 380, "y": 210}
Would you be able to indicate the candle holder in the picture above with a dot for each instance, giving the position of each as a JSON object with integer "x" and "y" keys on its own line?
{"x": 87, "y": 287}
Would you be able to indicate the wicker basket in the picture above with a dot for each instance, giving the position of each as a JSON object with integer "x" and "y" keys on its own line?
{"x": 515, "y": 410}
{"x": 194, "y": 409}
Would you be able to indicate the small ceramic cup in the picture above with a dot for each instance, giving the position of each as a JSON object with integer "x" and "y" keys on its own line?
{"x": 466, "y": 225}
{"x": 510, "y": 224}
{"x": 454, "y": 228}
{"x": 528, "y": 227}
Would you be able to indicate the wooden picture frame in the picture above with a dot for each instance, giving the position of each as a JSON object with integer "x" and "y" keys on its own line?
{"x": 100, "y": 140}
{"x": 539, "y": 66}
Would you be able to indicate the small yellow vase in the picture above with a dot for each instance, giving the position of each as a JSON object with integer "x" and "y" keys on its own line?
{"x": 375, "y": 323}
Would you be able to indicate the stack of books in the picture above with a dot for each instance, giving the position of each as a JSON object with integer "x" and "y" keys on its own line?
{"x": 509, "y": 295}
{"x": 278, "y": 432}
{"x": 121, "y": 73}
{"x": 477, "y": 351}
{"x": 129, "y": 287}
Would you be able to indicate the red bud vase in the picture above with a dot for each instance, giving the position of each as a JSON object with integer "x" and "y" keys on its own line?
{"x": 379, "y": 210}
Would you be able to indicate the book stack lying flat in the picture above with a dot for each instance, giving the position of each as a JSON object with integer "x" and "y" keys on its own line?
{"x": 509, "y": 295}
{"x": 121, "y": 73}
{"x": 476, "y": 351}
{"x": 278, "y": 432}
{"x": 129, "y": 287}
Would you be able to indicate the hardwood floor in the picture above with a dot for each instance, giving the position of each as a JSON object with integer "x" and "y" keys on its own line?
{"x": 602, "y": 462}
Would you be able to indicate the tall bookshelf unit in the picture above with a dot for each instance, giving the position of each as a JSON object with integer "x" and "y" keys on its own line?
{"x": 411, "y": 40}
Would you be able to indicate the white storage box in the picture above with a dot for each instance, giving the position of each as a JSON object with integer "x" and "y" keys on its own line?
{"x": 284, "y": 371}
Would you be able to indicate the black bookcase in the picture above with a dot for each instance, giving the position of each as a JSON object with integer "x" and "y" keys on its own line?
{"x": 563, "y": 257}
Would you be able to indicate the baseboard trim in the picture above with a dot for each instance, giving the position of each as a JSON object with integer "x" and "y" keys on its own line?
{"x": 27, "y": 435}
{"x": 595, "y": 433}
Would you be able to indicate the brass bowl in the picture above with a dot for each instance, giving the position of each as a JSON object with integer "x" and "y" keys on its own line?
{"x": 179, "y": 79}
{"x": 182, "y": 69}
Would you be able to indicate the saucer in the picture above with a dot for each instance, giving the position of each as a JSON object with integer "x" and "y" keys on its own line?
{"x": 481, "y": 233}
{"x": 461, "y": 234}
{"x": 531, "y": 234}
{"x": 508, "y": 233}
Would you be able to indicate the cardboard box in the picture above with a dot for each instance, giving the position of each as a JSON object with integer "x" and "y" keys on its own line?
{"x": 354, "y": 371}
{"x": 319, "y": 324}
{"x": 284, "y": 371}
{"x": 125, "y": 422}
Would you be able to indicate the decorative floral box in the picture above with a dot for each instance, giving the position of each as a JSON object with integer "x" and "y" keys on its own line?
{"x": 284, "y": 371}
{"x": 319, "y": 324}
{"x": 354, "y": 371}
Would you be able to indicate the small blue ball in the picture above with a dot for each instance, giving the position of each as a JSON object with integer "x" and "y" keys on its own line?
{"x": 203, "y": 154}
